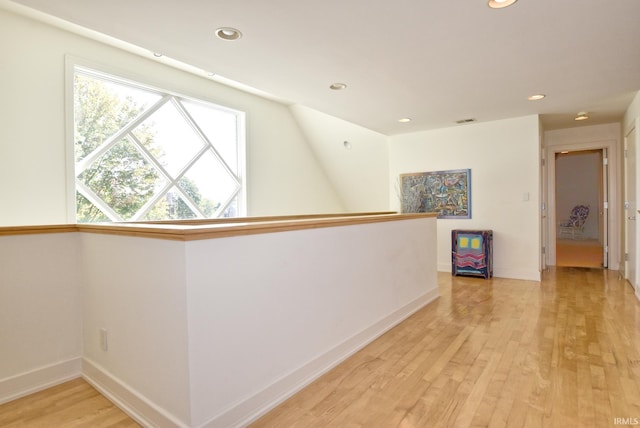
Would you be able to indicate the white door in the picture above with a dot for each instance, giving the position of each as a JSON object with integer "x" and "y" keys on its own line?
{"x": 630, "y": 207}
{"x": 604, "y": 209}
{"x": 544, "y": 229}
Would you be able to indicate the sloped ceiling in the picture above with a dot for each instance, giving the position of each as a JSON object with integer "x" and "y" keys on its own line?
{"x": 433, "y": 61}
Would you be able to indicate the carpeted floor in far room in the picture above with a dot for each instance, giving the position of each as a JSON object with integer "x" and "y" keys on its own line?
{"x": 579, "y": 253}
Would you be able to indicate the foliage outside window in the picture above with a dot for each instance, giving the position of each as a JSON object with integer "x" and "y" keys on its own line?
{"x": 145, "y": 155}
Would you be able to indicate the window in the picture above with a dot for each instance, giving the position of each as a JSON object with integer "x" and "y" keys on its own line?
{"x": 143, "y": 155}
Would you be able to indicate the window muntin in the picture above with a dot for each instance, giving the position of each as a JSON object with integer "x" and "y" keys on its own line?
{"x": 142, "y": 154}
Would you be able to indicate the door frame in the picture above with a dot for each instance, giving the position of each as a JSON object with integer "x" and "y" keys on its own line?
{"x": 613, "y": 226}
{"x": 627, "y": 132}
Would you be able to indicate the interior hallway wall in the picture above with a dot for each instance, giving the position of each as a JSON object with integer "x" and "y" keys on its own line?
{"x": 505, "y": 185}
{"x": 283, "y": 175}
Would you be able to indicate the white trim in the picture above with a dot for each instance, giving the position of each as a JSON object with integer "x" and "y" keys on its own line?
{"x": 69, "y": 131}
{"x": 35, "y": 380}
{"x": 625, "y": 234}
{"x": 444, "y": 267}
{"x": 134, "y": 404}
{"x": 241, "y": 133}
{"x": 128, "y": 78}
{"x": 241, "y": 414}
{"x": 614, "y": 229}
{"x": 520, "y": 274}
{"x": 249, "y": 410}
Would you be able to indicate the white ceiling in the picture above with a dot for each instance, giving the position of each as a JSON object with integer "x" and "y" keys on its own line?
{"x": 433, "y": 61}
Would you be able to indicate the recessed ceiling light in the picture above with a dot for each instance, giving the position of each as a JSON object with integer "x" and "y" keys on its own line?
{"x": 347, "y": 145}
{"x": 211, "y": 74}
{"x": 582, "y": 116}
{"x": 337, "y": 86}
{"x": 499, "y": 4}
{"x": 228, "y": 33}
{"x": 536, "y": 97}
{"x": 404, "y": 120}
{"x": 157, "y": 54}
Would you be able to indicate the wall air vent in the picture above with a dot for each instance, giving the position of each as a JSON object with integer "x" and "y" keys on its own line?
{"x": 461, "y": 121}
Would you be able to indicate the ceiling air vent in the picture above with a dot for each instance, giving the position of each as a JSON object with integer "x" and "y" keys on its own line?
{"x": 461, "y": 121}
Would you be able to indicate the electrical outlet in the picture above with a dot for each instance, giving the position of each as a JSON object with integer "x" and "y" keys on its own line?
{"x": 104, "y": 342}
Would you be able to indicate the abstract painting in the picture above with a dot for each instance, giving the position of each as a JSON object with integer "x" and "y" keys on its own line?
{"x": 447, "y": 193}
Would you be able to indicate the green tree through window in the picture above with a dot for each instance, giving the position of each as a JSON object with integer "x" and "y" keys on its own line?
{"x": 146, "y": 155}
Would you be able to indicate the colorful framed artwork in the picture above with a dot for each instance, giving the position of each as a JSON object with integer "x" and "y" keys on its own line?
{"x": 447, "y": 193}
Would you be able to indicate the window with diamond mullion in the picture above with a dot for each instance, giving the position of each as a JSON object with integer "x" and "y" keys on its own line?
{"x": 156, "y": 164}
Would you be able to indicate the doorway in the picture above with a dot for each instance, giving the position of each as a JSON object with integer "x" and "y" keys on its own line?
{"x": 611, "y": 228}
{"x": 630, "y": 207}
{"x": 580, "y": 190}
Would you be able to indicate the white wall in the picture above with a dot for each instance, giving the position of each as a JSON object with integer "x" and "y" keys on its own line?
{"x": 194, "y": 338}
{"x": 40, "y": 311}
{"x": 257, "y": 335}
{"x": 359, "y": 172}
{"x": 135, "y": 289}
{"x": 283, "y": 175}
{"x": 504, "y": 160}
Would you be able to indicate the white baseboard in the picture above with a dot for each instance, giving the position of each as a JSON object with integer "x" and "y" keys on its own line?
{"x": 38, "y": 379}
{"x": 444, "y": 267}
{"x": 249, "y": 410}
{"x": 149, "y": 414}
{"x": 523, "y": 274}
{"x": 128, "y": 399}
{"x": 526, "y": 275}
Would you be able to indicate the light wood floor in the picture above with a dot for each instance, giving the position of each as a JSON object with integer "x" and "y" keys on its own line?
{"x": 73, "y": 404}
{"x": 579, "y": 253}
{"x": 497, "y": 353}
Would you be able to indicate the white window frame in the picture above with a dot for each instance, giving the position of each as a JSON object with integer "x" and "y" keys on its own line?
{"x": 72, "y": 64}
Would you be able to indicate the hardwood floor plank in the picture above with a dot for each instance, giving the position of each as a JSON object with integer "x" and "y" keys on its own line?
{"x": 73, "y": 404}
{"x": 602, "y": 405}
{"x": 586, "y": 403}
{"x": 499, "y": 353}
{"x": 488, "y": 353}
